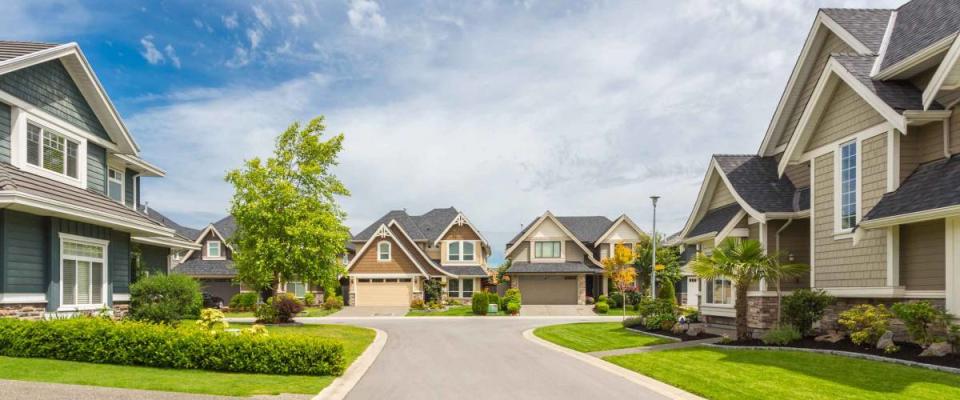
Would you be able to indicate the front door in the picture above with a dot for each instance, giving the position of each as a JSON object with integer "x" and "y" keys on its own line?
{"x": 693, "y": 291}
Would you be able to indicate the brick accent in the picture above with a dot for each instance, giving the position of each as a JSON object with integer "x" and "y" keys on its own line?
{"x": 22, "y": 311}
{"x": 120, "y": 310}
{"x": 761, "y": 312}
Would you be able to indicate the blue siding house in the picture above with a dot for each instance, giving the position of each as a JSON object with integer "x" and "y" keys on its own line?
{"x": 72, "y": 234}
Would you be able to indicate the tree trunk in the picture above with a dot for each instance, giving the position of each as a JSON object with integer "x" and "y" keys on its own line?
{"x": 743, "y": 332}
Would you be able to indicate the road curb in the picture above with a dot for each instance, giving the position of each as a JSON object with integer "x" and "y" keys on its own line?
{"x": 642, "y": 380}
{"x": 340, "y": 387}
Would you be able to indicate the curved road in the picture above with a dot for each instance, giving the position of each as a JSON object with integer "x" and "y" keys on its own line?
{"x": 480, "y": 358}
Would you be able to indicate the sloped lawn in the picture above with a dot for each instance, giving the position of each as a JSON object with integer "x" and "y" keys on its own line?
{"x": 757, "y": 374}
{"x": 354, "y": 339}
{"x": 595, "y": 336}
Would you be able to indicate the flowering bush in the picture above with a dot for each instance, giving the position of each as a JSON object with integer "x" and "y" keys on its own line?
{"x": 866, "y": 323}
{"x": 212, "y": 319}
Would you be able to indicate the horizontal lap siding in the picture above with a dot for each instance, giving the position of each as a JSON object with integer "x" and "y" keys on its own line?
{"x": 922, "y": 255}
{"x": 832, "y": 44}
{"x": 721, "y": 196}
{"x": 154, "y": 259}
{"x": 846, "y": 114}
{"x": 799, "y": 174}
{"x": 128, "y": 186}
{"x": 955, "y": 131}
{"x": 574, "y": 252}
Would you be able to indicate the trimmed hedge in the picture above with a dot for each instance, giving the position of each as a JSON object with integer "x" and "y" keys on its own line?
{"x": 103, "y": 341}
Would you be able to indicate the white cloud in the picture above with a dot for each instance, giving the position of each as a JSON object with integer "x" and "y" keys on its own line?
{"x": 231, "y": 21}
{"x": 297, "y": 19}
{"x": 365, "y": 17}
{"x": 241, "y": 57}
{"x": 150, "y": 52}
{"x": 262, "y": 16}
{"x": 254, "y": 36}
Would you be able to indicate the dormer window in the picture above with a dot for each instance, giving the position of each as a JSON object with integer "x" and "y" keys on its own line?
{"x": 52, "y": 151}
{"x": 213, "y": 249}
{"x": 115, "y": 185}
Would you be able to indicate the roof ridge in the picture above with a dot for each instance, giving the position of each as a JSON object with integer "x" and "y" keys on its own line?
{"x": 858, "y": 9}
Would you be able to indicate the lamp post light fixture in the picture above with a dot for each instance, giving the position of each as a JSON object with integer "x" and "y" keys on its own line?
{"x": 653, "y": 242}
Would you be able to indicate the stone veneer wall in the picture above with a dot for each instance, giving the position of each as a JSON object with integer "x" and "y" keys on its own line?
{"x": 581, "y": 289}
{"x": 38, "y": 311}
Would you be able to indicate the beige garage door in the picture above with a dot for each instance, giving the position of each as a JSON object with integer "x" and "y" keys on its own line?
{"x": 383, "y": 292}
{"x": 549, "y": 289}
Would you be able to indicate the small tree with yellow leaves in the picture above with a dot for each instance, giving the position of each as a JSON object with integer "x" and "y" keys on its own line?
{"x": 619, "y": 268}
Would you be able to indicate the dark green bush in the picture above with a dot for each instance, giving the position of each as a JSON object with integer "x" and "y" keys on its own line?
{"x": 513, "y": 308}
{"x": 602, "y": 298}
{"x": 286, "y": 306}
{"x": 782, "y": 336}
{"x": 919, "y": 318}
{"x": 103, "y": 341}
{"x": 602, "y": 307}
{"x": 666, "y": 291}
{"x": 511, "y": 296}
{"x": 266, "y": 313}
{"x": 804, "y": 307}
{"x": 243, "y": 301}
{"x": 479, "y": 303}
{"x": 633, "y": 322}
{"x": 633, "y": 296}
{"x": 615, "y": 300}
{"x": 165, "y": 298}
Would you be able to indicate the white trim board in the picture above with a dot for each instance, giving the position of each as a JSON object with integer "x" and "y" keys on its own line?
{"x": 623, "y": 218}
{"x": 32, "y": 203}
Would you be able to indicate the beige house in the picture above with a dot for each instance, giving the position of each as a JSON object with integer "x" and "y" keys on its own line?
{"x": 556, "y": 260}
{"x": 856, "y": 174}
{"x": 398, "y": 252}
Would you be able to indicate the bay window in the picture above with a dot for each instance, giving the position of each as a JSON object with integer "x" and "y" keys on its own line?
{"x": 547, "y": 249}
{"x": 83, "y": 272}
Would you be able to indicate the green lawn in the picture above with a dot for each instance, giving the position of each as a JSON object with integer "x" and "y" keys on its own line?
{"x": 355, "y": 341}
{"x": 307, "y": 312}
{"x": 454, "y": 311}
{"x": 617, "y": 312}
{"x": 595, "y": 336}
{"x": 755, "y": 374}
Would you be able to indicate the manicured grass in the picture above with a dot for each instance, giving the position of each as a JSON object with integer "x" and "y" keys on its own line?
{"x": 618, "y": 312}
{"x": 453, "y": 311}
{"x": 595, "y": 336}
{"x": 753, "y": 374}
{"x": 307, "y": 312}
{"x": 355, "y": 340}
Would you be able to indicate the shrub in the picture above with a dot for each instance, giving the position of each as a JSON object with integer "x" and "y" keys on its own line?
{"x": 782, "y": 335}
{"x": 603, "y": 299}
{"x": 866, "y": 323}
{"x": 602, "y": 307}
{"x": 616, "y": 300}
{"x": 691, "y": 314}
{"x": 244, "y": 301}
{"x": 804, "y": 307}
{"x": 632, "y": 322}
{"x": 165, "y": 298}
{"x": 265, "y": 313}
{"x": 417, "y": 304}
{"x": 590, "y": 300}
{"x": 479, "y": 303}
{"x": 146, "y": 344}
{"x": 632, "y": 296}
{"x": 211, "y": 319}
{"x": 648, "y": 307}
{"x": 432, "y": 290}
{"x": 511, "y": 296}
{"x": 287, "y": 307}
{"x": 335, "y": 302}
{"x": 663, "y": 321}
{"x": 666, "y": 291}
{"x": 310, "y": 299}
{"x": 513, "y": 308}
{"x": 919, "y": 317}
{"x": 493, "y": 298}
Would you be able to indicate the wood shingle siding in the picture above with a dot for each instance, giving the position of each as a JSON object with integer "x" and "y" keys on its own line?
{"x": 412, "y": 248}
{"x": 799, "y": 174}
{"x": 50, "y": 87}
{"x": 461, "y": 232}
{"x": 399, "y": 263}
{"x": 721, "y": 196}
{"x": 4, "y": 133}
{"x": 846, "y": 114}
{"x": 96, "y": 169}
{"x": 832, "y": 44}
{"x": 22, "y": 256}
{"x": 922, "y": 255}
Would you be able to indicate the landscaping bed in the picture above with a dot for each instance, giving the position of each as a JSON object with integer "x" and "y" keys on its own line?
{"x": 908, "y": 351}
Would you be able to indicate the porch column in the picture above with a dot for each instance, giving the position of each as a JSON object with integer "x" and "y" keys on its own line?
{"x": 581, "y": 289}
{"x": 952, "y": 284}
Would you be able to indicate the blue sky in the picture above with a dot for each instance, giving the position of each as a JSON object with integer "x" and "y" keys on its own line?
{"x": 502, "y": 109}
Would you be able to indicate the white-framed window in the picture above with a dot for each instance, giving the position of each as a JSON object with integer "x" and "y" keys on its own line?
{"x": 461, "y": 288}
{"x": 461, "y": 250}
{"x": 718, "y": 291}
{"x": 383, "y": 251}
{"x": 467, "y": 288}
{"x": 83, "y": 272}
{"x": 213, "y": 249}
{"x": 298, "y": 289}
{"x": 52, "y": 151}
{"x": 551, "y": 249}
{"x": 848, "y": 191}
{"x": 115, "y": 185}
{"x": 453, "y": 288}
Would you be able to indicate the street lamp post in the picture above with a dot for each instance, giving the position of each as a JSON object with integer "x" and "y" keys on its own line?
{"x": 653, "y": 241}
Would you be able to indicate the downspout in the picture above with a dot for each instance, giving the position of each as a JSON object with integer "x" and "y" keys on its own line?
{"x": 777, "y": 245}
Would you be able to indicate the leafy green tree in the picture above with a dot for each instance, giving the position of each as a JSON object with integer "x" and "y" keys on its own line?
{"x": 289, "y": 224}
{"x": 668, "y": 263}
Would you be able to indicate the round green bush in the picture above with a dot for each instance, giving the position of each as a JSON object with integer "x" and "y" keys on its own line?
{"x": 165, "y": 299}
{"x": 513, "y": 308}
{"x": 243, "y": 301}
{"x": 667, "y": 292}
{"x": 602, "y": 298}
{"x": 479, "y": 303}
{"x": 511, "y": 296}
{"x": 616, "y": 300}
{"x": 602, "y": 307}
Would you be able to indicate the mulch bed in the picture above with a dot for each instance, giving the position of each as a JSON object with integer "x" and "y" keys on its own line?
{"x": 683, "y": 337}
{"x": 908, "y": 351}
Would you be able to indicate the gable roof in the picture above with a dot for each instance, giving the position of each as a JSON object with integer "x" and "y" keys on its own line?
{"x": 931, "y": 187}
{"x": 867, "y": 25}
{"x": 426, "y": 227}
{"x": 715, "y": 220}
{"x": 198, "y": 267}
{"x": 384, "y": 231}
{"x": 10, "y": 49}
{"x": 898, "y": 95}
{"x": 755, "y": 179}
{"x": 183, "y": 231}
{"x": 919, "y": 25}
{"x": 226, "y": 226}
{"x": 585, "y": 229}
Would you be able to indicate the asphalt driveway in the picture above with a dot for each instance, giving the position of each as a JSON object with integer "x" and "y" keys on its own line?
{"x": 480, "y": 358}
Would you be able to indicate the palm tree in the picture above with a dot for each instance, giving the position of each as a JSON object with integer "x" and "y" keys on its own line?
{"x": 743, "y": 263}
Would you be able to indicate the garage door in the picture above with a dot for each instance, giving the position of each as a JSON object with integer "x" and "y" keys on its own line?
{"x": 383, "y": 292}
{"x": 549, "y": 289}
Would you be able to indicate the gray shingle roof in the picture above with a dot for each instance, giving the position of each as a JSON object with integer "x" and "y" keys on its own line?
{"x": 714, "y": 220}
{"x": 755, "y": 179}
{"x": 426, "y": 227}
{"x": 584, "y": 229}
{"x": 184, "y": 232}
{"x": 921, "y": 23}
{"x": 551, "y": 268}
{"x": 899, "y": 95}
{"x": 463, "y": 270}
{"x": 13, "y": 49}
{"x": 867, "y": 25}
{"x": 226, "y": 226}
{"x": 931, "y": 186}
{"x": 200, "y": 267}
{"x": 12, "y": 178}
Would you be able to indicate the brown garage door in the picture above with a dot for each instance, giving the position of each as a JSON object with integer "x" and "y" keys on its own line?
{"x": 549, "y": 289}
{"x": 383, "y": 292}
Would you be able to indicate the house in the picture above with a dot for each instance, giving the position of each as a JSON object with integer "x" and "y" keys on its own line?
{"x": 69, "y": 189}
{"x": 556, "y": 260}
{"x": 399, "y": 252}
{"x": 857, "y": 174}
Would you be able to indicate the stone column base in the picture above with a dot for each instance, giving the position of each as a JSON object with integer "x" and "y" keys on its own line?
{"x": 23, "y": 311}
